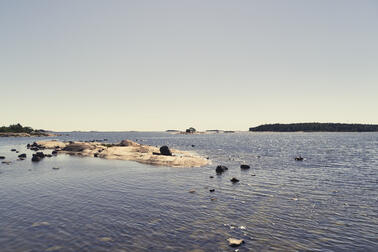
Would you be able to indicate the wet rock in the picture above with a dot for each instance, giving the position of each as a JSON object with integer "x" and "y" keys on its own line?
{"x": 23, "y": 155}
{"x": 253, "y": 175}
{"x": 2, "y": 157}
{"x": 211, "y": 177}
{"x": 36, "y": 158}
{"x": 40, "y": 154}
{"x": 193, "y": 145}
{"x": 164, "y": 150}
{"x": 13, "y": 150}
{"x": 54, "y": 152}
{"x": 96, "y": 154}
{"x": 244, "y": 167}
{"x": 212, "y": 190}
{"x": 192, "y": 191}
{"x": 48, "y": 155}
{"x": 213, "y": 199}
{"x": 55, "y": 168}
{"x": 235, "y": 242}
{"x": 234, "y": 180}
{"x": 6, "y": 162}
{"x": 299, "y": 158}
{"x": 220, "y": 169}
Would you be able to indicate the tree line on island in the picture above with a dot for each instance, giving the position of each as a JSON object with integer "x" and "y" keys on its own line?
{"x": 19, "y": 130}
{"x": 316, "y": 127}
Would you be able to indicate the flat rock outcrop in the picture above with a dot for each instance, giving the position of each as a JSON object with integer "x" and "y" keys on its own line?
{"x": 127, "y": 150}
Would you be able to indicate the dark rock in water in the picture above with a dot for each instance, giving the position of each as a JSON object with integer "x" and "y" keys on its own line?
{"x": 6, "y": 162}
{"x": 40, "y": 154}
{"x": 299, "y": 158}
{"x": 234, "y": 180}
{"x": 193, "y": 145}
{"x": 220, "y": 169}
{"x": 48, "y": 155}
{"x": 17, "y": 151}
{"x": 55, "y": 168}
{"x": 164, "y": 150}
{"x": 212, "y": 190}
{"x": 244, "y": 166}
{"x": 95, "y": 155}
{"x": 13, "y": 150}
{"x": 2, "y": 157}
{"x": 36, "y": 158}
{"x": 23, "y": 155}
{"x": 54, "y": 152}
{"x": 28, "y": 146}
{"x": 211, "y": 177}
{"x": 34, "y": 148}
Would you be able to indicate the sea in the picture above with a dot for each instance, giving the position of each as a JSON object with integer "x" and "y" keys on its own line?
{"x": 327, "y": 202}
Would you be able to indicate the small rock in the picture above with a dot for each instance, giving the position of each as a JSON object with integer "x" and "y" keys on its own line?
{"x": 213, "y": 199}
{"x": 2, "y": 157}
{"x": 164, "y": 150}
{"x": 212, "y": 190}
{"x": 54, "y": 152}
{"x": 193, "y": 145}
{"x": 13, "y": 150}
{"x": 40, "y": 154}
{"x": 6, "y": 162}
{"x": 234, "y": 180}
{"x": 299, "y": 158}
{"x": 253, "y": 175}
{"x": 55, "y": 168}
{"x": 23, "y": 155}
{"x": 235, "y": 242}
{"x": 244, "y": 167}
{"x": 192, "y": 191}
{"x": 220, "y": 169}
{"x": 211, "y": 177}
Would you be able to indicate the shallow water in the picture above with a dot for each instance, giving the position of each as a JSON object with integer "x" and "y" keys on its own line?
{"x": 328, "y": 202}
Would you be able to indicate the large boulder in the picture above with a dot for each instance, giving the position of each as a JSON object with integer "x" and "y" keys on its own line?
{"x": 164, "y": 150}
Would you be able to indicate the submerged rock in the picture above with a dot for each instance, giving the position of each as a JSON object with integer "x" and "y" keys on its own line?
{"x": 164, "y": 150}
{"x": 13, "y": 150}
{"x": 220, "y": 169}
{"x": 235, "y": 242}
{"x": 2, "y": 157}
{"x": 212, "y": 190}
{"x": 6, "y": 162}
{"x": 299, "y": 158}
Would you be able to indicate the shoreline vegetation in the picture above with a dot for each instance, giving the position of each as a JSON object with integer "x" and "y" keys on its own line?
{"x": 17, "y": 130}
{"x": 127, "y": 150}
{"x": 315, "y": 127}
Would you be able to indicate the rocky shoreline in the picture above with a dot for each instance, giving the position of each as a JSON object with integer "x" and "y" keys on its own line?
{"x": 23, "y": 134}
{"x": 127, "y": 150}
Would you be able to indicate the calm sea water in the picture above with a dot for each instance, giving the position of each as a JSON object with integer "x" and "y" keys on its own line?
{"x": 328, "y": 202}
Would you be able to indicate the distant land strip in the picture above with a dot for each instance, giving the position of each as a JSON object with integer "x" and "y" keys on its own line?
{"x": 316, "y": 127}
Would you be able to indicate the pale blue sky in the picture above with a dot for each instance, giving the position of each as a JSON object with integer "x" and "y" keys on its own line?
{"x": 156, "y": 65}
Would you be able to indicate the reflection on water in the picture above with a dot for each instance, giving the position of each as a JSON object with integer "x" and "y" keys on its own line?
{"x": 327, "y": 202}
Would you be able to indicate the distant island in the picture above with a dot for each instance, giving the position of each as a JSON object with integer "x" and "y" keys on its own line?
{"x": 17, "y": 130}
{"x": 316, "y": 127}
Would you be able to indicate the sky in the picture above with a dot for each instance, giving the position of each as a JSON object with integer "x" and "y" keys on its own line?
{"x": 172, "y": 64}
